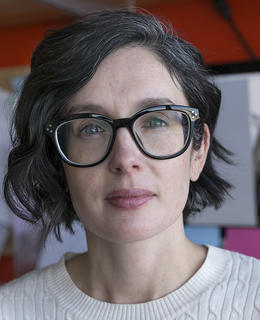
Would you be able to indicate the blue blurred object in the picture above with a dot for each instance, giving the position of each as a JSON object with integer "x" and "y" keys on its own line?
{"x": 204, "y": 235}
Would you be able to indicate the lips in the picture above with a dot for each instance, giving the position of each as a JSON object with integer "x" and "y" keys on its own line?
{"x": 129, "y": 198}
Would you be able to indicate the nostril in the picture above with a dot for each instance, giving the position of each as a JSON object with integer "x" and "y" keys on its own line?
{"x": 124, "y": 162}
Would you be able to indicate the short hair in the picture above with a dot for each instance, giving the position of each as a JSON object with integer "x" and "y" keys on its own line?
{"x": 63, "y": 62}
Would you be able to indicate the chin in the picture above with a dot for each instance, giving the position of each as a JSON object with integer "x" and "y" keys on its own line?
{"x": 130, "y": 235}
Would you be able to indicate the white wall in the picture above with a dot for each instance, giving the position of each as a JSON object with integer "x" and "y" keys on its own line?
{"x": 237, "y": 131}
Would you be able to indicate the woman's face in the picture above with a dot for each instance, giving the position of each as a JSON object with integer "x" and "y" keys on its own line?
{"x": 130, "y": 197}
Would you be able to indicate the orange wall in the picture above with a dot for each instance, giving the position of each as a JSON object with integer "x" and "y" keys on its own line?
{"x": 195, "y": 20}
{"x": 199, "y": 22}
{"x": 17, "y": 43}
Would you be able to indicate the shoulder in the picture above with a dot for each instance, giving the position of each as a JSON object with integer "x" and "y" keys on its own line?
{"x": 26, "y": 285}
{"x": 23, "y": 283}
{"x": 243, "y": 264}
{"x": 246, "y": 272}
{"x": 230, "y": 256}
{"x": 240, "y": 278}
{"x": 26, "y": 295}
{"x": 236, "y": 263}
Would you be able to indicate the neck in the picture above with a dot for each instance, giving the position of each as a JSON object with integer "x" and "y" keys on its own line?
{"x": 136, "y": 272}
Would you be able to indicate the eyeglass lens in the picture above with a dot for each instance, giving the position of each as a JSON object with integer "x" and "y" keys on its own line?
{"x": 160, "y": 133}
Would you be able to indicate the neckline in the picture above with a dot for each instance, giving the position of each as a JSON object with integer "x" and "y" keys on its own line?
{"x": 73, "y": 300}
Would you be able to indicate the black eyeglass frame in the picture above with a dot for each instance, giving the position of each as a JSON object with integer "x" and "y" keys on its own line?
{"x": 192, "y": 113}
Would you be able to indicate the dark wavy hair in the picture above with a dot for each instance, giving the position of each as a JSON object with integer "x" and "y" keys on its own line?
{"x": 63, "y": 62}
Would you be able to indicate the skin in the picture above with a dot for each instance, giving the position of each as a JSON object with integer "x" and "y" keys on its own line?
{"x": 141, "y": 254}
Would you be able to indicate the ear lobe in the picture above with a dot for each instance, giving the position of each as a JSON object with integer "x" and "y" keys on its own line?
{"x": 198, "y": 157}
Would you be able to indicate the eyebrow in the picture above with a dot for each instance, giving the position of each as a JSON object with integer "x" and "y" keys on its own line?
{"x": 88, "y": 107}
{"x": 96, "y": 108}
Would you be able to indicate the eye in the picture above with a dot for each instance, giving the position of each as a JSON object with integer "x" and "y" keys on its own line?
{"x": 92, "y": 129}
{"x": 154, "y": 123}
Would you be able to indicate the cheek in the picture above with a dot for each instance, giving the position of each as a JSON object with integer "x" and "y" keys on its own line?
{"x": 84, "y": 186}
{"x": 176, "y": 182}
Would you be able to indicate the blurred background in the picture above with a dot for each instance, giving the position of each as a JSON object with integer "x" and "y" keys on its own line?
{"x": 227, "y": 34}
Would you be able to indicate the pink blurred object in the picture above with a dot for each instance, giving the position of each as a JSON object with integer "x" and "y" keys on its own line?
{"x": 243, "y": 240}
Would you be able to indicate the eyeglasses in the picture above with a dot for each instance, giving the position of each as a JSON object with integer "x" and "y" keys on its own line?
{"x": 160, "y": 132}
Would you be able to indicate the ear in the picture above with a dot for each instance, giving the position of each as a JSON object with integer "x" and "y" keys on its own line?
{"x": 198, "y": 157}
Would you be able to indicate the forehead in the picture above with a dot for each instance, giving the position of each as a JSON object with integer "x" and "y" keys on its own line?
{"x": 127, "y": 77}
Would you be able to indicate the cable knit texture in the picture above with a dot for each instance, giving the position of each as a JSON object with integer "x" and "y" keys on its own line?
{"x": 226, "y": 287}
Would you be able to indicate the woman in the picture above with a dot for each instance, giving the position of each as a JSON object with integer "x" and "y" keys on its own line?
{"x": 115, "y": 127}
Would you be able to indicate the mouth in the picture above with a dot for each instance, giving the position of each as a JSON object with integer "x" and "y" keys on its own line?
{"x": 129, "y": 198}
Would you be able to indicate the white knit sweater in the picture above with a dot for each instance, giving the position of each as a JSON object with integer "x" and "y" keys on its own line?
{"x": 227, "y": 286}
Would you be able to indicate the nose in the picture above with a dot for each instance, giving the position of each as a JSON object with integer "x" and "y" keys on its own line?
{"x": 125, "y": 156}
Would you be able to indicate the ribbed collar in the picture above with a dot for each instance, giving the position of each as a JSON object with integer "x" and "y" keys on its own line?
{"x": 74, "y": 301}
